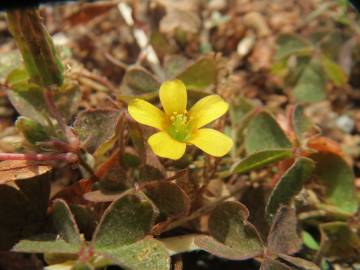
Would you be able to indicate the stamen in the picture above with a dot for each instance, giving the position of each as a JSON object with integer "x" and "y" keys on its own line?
{"x": 178, "y": 128}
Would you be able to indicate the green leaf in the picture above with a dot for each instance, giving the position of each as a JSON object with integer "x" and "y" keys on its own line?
{"x": 280, "y": 67}
{"x": 333, "y": 71}
{"x": 94, "y": 127}
{"x": 113, "y": 179}
{"x": 65, "y": 223}
{"x": 339, "y": 240}
{"x": 337, "y": 177}
{"x": 153, "y": 168}
{"x": 8, "y": 62}
{"x": 32, "y": 130}
{"x": 240, "y": 109}
{"x": 309, "y": 241}
{"x": 174, "y": 65}
{"x": 169, "y": 198}
{"x": 82, "y": 266}
{"x": 300, "y": 122}
{"x": 311, "y": 85}
{"x": 161, "y": 44}
{"x": 67, "y": 265}
{"x": 67, "y": 98}
{"x": 138, "y": 80}
{"x": 147, "y": 254}
{"x": 299, "y": 262}
{"x": 294, "y": 71}
{"x": 289, "y": 185}
{"x": 260, "y": 159}
{"x": 29, "y": 102}
{"x": 288, "y": 44}
{"x": 284, "y": 237}
{"x": 264, "y": 133}
{"x": 211, "y": 245}
{"x": 254, "y": 197}
{"x": 124, "y": 222}
{"x": 58, "y": 258}
{"x": 28, "y": 99}
{"x": 228, "y": 224}
{"x": 18, "y": 78}
{"x": 333, "y": 42}
{"x": 200, "y": 75}
{"x": 85, "y": 218}
{"x": 45, "y": 244}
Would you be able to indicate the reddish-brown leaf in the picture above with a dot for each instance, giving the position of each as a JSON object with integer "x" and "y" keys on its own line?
{"x": 323, "y": 144}
{"x": 88, "y": 12}
{"x": 74, "y": 194}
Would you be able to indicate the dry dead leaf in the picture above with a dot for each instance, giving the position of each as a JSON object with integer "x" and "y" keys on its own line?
{"x": 11, "y": 170}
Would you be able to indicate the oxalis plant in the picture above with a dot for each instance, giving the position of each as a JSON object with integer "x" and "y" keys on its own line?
{"x": 144, "y": 199}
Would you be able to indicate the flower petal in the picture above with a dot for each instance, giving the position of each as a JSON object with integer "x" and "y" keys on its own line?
{"x": 211, "y": 141}
{"x": 164, "y": 146}
{"x": 173, "y": 96}
{"x": 207, "y": 110}
{"x": 146, "y": 113}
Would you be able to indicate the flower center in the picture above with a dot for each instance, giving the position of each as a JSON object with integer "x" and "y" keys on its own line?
{"x": 179, "y": 127}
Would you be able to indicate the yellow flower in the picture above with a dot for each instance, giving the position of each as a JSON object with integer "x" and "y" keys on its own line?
{"x": 179, "y": 127}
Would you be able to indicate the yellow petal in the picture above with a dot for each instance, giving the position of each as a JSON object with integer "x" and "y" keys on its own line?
{"x": 173, "y": 96}
{"x": 207, "y": 110}
{"x": 164, "y": 146}
{"x": 146, "y": 113}
{"x": 211, "y": 141}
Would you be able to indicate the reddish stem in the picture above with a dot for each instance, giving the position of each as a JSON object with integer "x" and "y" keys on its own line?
{"x": 64, "y": 147}
{"x": 67, "y": 157}
{"x": 49, "y": 100}
{"x": 72, "y": 139}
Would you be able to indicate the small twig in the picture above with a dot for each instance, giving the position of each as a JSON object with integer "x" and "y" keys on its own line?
{"x": 116, "y": 62}
{"x": 102, "y": 80}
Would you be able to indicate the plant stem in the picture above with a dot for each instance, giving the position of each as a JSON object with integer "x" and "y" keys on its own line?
{"x": 49, "y": 100}
{"x": 72, "y": 139}
{"x": 87, "y": 167}
{"x": 67, "y": 157}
